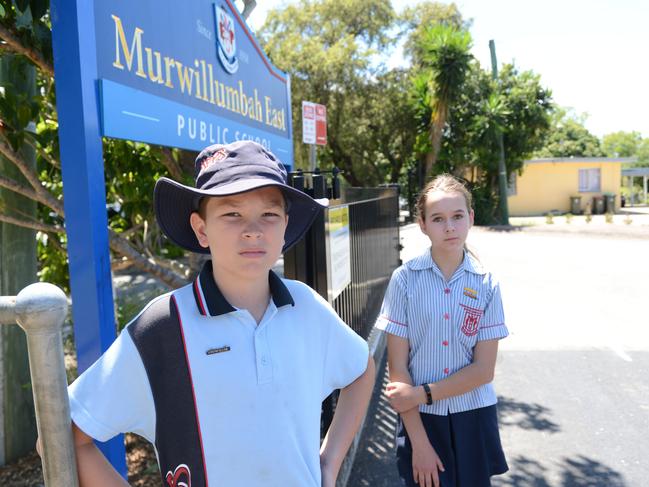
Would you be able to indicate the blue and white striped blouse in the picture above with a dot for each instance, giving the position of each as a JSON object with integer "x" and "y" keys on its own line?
{"x": 443, "y": 321}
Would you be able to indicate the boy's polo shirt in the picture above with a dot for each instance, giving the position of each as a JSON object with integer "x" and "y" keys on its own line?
{"x": 443, "y": 321}
{"x": 258, "y": 388}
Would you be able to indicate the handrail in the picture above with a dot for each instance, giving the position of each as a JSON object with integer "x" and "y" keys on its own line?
{"x": 40, "y": 310}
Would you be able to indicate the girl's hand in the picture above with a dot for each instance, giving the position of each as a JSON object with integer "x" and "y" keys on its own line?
{"x": 403, "y": 397}
{"x": 425, "y": 465}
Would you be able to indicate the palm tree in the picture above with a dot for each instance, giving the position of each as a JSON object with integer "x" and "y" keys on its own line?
{"x": 445, "y": 62}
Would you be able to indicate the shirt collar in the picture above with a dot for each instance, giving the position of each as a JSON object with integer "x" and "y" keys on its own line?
{"x": 425, "y": 261}
{"x": 210, "y": 300}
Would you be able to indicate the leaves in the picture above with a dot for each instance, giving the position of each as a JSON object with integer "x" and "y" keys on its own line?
{"x": 38, "y": 8}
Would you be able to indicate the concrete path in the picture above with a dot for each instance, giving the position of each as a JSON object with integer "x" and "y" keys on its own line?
{"x": 572, "y": 376}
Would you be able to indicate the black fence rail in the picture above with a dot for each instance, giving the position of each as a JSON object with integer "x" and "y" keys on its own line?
{"x": 373, "y": 254}
{"x": 374, "y": 249}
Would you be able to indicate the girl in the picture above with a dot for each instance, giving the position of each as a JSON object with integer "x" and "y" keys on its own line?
{"x": 444, "y": 316}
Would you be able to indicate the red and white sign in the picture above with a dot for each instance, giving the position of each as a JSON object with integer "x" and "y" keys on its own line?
{"x": 314, "y": 123}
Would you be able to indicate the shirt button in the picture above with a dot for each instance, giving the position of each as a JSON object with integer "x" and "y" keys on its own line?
{"x": 263, "y": 361}
{"x": 446, "y": 316}
{"x": 445, "y": 343}
{"x": 447, "y": 291}
{"x": 446, "y": 370}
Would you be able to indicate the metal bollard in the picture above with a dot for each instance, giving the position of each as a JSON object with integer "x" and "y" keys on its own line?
{"x": 40, "y": 310}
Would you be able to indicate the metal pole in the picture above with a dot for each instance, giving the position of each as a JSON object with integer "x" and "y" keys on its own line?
{"x": 312, "y": 157}
{"x": 40, "y": 310}
{"x": 502, "y": 169}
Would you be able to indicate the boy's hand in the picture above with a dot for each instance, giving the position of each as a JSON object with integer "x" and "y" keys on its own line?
{"x": 425, "y": 465}
{"x": 328, "y": 477}
{"x": 404, "y": 397}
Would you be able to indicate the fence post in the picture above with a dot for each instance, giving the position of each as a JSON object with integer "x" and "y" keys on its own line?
{"x": 40, "y": 310}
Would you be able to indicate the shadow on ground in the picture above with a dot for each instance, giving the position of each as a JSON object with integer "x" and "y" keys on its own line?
{"x": 375, "y": 463}
{"x": 528, "y": 416}
{"x": 573, "y": 472}
{"x": 504, "y": 228}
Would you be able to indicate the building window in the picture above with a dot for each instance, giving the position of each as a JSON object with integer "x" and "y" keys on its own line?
{"x": 589, "y": 180}
{"x": 511, "y": 184}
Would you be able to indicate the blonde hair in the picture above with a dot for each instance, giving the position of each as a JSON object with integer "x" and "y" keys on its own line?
{"x": 447, "y": 184}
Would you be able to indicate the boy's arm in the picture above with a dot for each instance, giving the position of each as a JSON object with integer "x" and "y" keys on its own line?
{"x": 92, "y": 466}
{"x": 350, "y": 408}
{"x": 425, "y": 461}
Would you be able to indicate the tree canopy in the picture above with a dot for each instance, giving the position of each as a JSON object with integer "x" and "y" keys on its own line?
{"x": 568, "y": 137}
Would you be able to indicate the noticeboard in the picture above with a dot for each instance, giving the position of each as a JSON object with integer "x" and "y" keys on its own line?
{"x": 338, "y": 261}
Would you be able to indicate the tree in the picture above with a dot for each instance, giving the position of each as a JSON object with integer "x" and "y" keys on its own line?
{"x": 643, "y": 153}
{"x": 328, "y": 48}
{"x": 568, "y": 137}
{"x": 134, "y": 240}
{"x": 416, "y": 20}
{"x": 517, "y": 105}
{"x": 445, "y": 61}
{"x": 622, "y": 144}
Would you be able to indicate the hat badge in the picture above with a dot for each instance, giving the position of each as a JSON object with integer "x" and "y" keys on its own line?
{"x": 218, "y": 156}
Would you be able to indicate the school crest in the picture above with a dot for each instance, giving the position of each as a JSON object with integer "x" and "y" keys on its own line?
{"x": 471, "y": 320}
{"x": 225, "y": 40}
{"x": 180, "y": 477}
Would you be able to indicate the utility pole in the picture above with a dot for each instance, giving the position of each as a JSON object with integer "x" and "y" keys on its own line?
{"x": 502, "y": 169}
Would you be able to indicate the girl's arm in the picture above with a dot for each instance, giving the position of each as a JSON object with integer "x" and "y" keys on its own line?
{"x": 425, "y": 461}
{"x": 350, "y": 408}
{"x": 404, "y": 396}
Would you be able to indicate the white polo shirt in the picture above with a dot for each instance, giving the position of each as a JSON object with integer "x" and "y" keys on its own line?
{"x": 443, "y": 321}
{"x": 258, "y": 387}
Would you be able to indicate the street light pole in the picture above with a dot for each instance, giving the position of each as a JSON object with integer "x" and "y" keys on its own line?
{"x": 502, "y": 169}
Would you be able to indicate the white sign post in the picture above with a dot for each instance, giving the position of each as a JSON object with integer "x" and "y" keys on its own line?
{"x": 314, "y": 128}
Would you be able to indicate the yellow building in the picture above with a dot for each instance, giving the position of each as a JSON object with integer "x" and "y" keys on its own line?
{"x": 547, "y": 185}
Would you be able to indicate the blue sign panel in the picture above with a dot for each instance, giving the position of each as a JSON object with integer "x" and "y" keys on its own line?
{"x": 189, "y": 78}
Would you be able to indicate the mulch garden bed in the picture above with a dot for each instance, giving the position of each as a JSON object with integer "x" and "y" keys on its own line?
{"x": 140, "y": 458}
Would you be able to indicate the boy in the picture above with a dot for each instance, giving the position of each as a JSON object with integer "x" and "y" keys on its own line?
{"x": 226, "y": 376}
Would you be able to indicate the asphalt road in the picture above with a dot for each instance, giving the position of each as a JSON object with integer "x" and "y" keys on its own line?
{"x": 572, "y": 377}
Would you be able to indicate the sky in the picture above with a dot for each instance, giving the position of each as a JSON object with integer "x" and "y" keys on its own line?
{"x": 593, "y": 55}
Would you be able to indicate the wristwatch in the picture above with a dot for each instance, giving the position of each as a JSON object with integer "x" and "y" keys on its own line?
{"x": 429, "y": 396}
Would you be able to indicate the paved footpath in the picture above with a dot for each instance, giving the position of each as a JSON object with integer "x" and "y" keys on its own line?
{"x": 573, "y": 375}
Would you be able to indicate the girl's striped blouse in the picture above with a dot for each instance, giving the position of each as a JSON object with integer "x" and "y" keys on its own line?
{"x": 443, "y": 321}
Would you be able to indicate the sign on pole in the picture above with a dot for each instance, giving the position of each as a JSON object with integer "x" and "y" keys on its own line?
{"x": 182, "y": 75}
{"x": 321, "y": 125}
{"x": 314, "y": 123}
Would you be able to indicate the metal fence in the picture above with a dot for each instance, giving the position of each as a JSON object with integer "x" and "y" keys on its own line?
{"x": 374, "y": 253}
{"x": 374, "y": 246}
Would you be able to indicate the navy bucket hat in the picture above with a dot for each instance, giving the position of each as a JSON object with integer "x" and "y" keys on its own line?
{"x": 223, "y": 170}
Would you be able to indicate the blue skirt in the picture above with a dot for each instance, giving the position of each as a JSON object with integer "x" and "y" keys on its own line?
{"x": 468, "y": 443}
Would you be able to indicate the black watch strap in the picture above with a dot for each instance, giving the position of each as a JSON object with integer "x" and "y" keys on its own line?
{"x": 429, "y": 396}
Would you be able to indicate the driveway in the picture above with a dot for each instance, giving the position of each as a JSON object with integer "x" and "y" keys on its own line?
{"x": 572, "y": 377}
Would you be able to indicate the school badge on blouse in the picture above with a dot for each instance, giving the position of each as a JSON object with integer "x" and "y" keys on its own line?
{"x": 180, "y": 477}
{"x": 471, "y": 320}
{"x": 225, "y": 40}
{"x": 472, "y": 293}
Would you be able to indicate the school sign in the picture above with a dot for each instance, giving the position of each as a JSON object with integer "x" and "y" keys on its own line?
{"x": 180, "y": 74}
{"x": 189, "y": 78}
